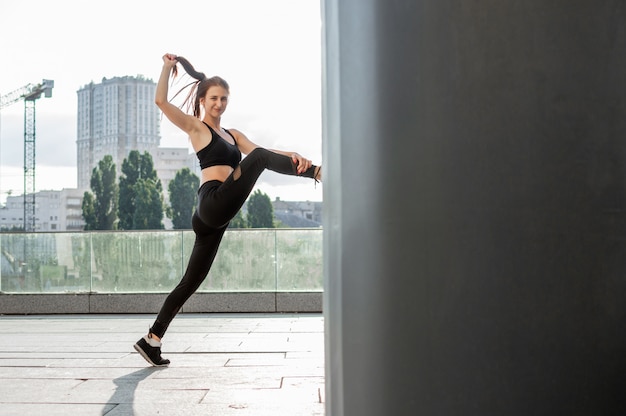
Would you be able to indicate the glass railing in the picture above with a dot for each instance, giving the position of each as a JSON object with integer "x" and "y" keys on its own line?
{"x": 282, "y": 259}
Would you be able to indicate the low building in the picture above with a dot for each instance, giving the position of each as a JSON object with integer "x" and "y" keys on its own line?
{"x": 298, "y": 214}
{"x": 54, "y": 211}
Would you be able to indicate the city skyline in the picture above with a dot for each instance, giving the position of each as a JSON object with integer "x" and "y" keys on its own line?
{"x": 274, "y": 69}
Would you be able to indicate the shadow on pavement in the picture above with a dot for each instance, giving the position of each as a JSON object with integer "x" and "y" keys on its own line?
{"x": 126, "y": 386}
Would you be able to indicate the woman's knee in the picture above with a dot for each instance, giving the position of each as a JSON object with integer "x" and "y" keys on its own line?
{"x": 259, "y": 153}
{"x": 254, "y": 163}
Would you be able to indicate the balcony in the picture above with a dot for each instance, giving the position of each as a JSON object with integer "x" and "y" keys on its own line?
{"x": 256, "y": 270}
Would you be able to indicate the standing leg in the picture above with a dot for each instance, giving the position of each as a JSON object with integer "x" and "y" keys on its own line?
{"x": 202, "y": 256}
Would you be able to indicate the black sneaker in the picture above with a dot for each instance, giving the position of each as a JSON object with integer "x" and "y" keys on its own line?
{"x": 150, "y": 349}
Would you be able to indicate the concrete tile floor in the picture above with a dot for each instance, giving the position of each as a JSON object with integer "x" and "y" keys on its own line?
{"x": 82, "y": 365}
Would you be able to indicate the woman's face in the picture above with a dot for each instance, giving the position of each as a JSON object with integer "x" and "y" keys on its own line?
{"x": 215, "y": 101}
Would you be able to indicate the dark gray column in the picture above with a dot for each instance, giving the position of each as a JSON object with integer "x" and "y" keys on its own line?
{"x": 475, "y": 188}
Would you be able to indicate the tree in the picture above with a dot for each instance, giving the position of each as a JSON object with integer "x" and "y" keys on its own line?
{"x": 183, "y": 191}
{"x": 100, "y": 207}
{"x": 148, "y": 213}
{"x": 260, "y": 211}
{"x": 89, "y": 212}
{"x": 141, "y": 199}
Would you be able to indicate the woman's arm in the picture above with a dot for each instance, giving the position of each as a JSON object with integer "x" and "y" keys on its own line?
{"x": 246, "y": 146}
{"x": 185, "y": 122}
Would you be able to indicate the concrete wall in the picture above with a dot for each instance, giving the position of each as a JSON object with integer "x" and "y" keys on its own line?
{"x": 475, "y": 207}
{"x": 85, "y": 303}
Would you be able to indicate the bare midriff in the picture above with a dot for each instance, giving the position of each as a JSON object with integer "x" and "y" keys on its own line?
{"x": 216, "y": 173}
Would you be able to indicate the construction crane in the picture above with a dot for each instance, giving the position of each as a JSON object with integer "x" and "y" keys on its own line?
{"x": 29, "y": 93}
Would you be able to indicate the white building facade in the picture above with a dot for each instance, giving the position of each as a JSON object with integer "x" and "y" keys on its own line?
{"x": 54, "y": 211}
{"x": 169, "y": 160}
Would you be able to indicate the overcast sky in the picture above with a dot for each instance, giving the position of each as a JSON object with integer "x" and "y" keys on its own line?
{"x": 268, "y": 50}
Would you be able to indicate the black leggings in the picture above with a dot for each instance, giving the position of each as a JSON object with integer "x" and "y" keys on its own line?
{"x": 218, "y": 203}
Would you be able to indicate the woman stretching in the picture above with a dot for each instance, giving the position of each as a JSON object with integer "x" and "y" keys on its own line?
{"x": 226, "y": 183}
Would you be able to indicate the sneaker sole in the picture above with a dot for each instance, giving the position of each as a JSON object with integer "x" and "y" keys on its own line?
{"x": 145, "y": 357}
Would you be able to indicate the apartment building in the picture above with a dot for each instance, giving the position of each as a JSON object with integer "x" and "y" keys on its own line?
{"x": 54, "y": 211}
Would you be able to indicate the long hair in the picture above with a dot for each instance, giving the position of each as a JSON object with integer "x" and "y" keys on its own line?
{"x": 199, "y": 87}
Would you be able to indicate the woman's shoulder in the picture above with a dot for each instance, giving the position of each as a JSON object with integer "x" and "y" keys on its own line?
{"x": 201, "y": 135}
{"x": 233, "y": 131}
{"x": 237, "y": 134}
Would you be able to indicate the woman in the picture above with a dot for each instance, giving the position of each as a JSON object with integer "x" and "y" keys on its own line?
{"x": 226, "y": 183}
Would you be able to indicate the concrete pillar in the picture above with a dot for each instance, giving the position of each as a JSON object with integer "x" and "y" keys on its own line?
{"x": 474, "y": 196}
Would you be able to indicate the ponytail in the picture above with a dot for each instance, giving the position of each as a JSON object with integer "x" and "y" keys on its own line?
{"x": 189, "y": 69}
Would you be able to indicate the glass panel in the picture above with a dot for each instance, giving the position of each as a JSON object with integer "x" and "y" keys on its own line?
{"x": 142, "y": 261}
{"x": 45, "y": 262}
{"x": 299, "y": 260}
{"x": 244, "y": 262}
{"x": 154, "y": 261}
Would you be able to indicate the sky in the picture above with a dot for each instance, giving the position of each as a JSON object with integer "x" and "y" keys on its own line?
{"x": 269, "y": 51}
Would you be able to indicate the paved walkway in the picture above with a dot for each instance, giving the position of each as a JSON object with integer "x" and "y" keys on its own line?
{"x": 75, "y": 365}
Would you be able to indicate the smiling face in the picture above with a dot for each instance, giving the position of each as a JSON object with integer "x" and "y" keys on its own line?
{"x": 215, "y": 101}
{"x": 211, "y": 97}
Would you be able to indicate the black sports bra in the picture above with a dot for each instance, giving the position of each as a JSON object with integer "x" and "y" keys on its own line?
{"x": 219, "y": 152}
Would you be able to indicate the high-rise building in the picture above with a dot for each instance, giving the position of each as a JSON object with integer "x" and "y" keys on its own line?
{"x": 115, "y": 117}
